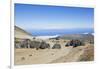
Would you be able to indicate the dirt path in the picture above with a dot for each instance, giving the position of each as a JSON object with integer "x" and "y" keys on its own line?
{"x": 82, "y": 53}
{"x": 66, "y": 54}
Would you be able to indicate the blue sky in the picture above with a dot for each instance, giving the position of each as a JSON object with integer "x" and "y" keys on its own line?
{"x": 38, "y": 17}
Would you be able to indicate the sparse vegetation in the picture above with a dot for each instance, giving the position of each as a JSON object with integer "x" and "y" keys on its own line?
{"x": 30, "y": 55}
{"x": 88, "y": 54}
{"x": 22, "y": 58}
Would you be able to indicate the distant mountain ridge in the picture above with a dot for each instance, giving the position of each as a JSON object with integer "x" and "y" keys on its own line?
{"x": 85, "y": 37}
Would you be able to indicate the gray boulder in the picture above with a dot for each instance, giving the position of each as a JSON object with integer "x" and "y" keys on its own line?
{"x": 75, "y": 43}
{"x": 56, "y": 46}
{"x": 44, "y": 45}
{"x": 39, "y": 45}
{"x": 35, "y": 44}
{"x": 25, "y": 43}
{"x": 17, "y": 45}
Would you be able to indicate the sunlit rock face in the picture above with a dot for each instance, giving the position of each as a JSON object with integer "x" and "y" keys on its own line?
{"x": 22, "y": 34}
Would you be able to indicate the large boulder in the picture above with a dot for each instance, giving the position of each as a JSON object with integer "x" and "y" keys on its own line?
{"x": 25, "y": 43}
{"x": 39, "y": 45}
{"x": 35, "y": 44}
{"x": 44, "y": 45}
{"x": 17, "y": 45}
{"x": 75, "y": 43}
{"x": 56, "y": 46}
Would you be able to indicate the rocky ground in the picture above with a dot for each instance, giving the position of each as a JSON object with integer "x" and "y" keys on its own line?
{"x": 45, "y": 56}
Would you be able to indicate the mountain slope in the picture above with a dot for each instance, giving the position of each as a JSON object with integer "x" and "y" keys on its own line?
{"x": 78, "y": 36}
{"x": 20, "y": 33}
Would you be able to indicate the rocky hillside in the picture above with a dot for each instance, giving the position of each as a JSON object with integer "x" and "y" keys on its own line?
{"x": 83, "y": 37}
{"x": 20, "y": 33}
